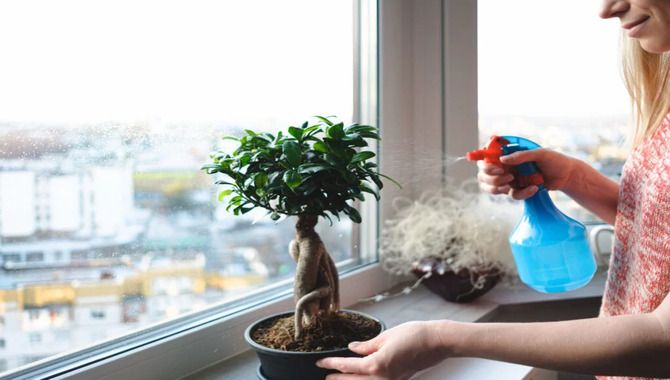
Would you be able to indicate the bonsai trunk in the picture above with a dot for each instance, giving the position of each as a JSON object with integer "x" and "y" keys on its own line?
{"x": 316, "y": 286}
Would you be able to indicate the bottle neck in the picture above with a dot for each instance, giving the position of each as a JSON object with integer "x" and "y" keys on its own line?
{"x": 541, "y": 202}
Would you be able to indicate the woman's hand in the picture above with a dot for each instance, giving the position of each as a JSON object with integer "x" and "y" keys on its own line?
{"x": 557, "y": 170}
{"x": 395, "y": 354}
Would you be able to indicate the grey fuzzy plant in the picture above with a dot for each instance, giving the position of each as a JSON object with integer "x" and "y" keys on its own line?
{"x": 315, "y": 170}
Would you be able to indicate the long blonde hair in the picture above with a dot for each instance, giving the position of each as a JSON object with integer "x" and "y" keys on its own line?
{"x": 647, "y": 77}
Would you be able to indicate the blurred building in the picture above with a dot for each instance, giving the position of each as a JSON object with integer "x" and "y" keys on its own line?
{"x": 51, "y": 217}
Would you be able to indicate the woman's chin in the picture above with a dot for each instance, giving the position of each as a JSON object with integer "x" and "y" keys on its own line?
{"x": 655, "y": 47}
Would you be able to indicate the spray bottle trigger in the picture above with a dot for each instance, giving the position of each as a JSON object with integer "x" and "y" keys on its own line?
{"x": 525, "y": 174}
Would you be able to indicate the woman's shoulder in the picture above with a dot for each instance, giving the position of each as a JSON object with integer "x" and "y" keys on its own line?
{"x": 663, "y": 130}
{"x": 656, "y": 143}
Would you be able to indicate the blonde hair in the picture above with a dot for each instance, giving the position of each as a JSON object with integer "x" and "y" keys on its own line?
{"x": 647, "y": 77}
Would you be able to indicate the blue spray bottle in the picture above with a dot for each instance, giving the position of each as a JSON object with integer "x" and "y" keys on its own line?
{"x": 550, "y": 249}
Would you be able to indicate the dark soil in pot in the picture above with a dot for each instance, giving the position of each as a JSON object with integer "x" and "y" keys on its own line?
{"x": 284, "y": 358}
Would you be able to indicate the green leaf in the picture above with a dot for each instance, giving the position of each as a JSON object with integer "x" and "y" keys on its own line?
{"x": 325, "y": 120}
{"x": 362, "y": 156}
{"x": 391, "y": 179}
{"x": 245, "y": 210}
{"x": 335, "y": 131}
{"x": 224, "y": 194}
{"x": 331, "y": 159}
{"x": 370, "y": 135}
{"x": 355, "y": 140}
{"x": 292, "y": 178}
{"x": 308, "y": 188}
{"x": 375, "y": 178}
{"x": 313, "y": 128}
{"x": 353, "y": 214}
{"x": 295, "y": 132}
{"x": 360, "y": 128}
{"x": 368, "y": 189}
{"x": 349, "y": 154}
{"x": 236, "y": 200}
{"x": 292, "y": 151}
{"x": 320, "y": 146}
{"x": 260, "y": 179}
{"x": 273, "y": 178}
{"x": 312, "y": 168}
{"x": 244, "y": 160}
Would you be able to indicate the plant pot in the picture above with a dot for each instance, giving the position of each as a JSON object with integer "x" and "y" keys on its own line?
{"x": 291, "y": 365}
{"x": 458, "y": 287}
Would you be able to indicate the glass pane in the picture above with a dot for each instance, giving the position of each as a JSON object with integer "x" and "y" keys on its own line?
{"x": 551, "y": 74}
{"x": 108, "y": 111}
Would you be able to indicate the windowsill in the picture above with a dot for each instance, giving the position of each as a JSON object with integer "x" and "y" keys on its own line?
{"x": 423, "y": 305}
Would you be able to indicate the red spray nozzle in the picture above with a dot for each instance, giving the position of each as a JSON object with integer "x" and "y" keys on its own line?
{"x": 490, "y": 153}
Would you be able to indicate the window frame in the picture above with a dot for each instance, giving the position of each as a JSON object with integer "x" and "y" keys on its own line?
{"x": 418, "y": 42}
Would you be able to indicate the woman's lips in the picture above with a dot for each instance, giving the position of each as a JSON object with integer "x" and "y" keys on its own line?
{"x": 634, "y": 27}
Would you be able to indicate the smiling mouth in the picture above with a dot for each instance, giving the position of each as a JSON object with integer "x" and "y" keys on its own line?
{"x": 633, "y": 24}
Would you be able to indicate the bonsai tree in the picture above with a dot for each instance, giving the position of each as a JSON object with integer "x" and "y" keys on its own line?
{"x": 316, "y": 170}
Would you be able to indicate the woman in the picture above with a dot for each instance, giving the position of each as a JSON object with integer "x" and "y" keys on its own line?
{"x": 632, "y": 335}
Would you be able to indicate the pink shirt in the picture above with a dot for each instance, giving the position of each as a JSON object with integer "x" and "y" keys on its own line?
{"x": 639, "y": 274}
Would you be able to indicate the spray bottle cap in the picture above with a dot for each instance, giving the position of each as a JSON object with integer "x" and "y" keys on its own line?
{"x": 525, "y": 174}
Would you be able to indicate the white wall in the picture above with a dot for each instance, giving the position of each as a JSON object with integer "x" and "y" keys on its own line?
{"x": 17, "y": 204}
{"x": 112, "y": 199}
{"x": 65, "y": 203}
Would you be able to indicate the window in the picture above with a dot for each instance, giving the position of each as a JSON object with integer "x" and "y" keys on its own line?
{"x": 34, "y": 338}
{"x": 10, "y": 258}
{"x": 559, "y": 86}
{"x": 34, "y": 257}
{"x": 97, "y": 314}
{"x": 33, "y": 314}
{"x": 106, "y": 120}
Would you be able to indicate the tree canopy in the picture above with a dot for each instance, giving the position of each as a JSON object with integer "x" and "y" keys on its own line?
{"x": 318, "y": 168}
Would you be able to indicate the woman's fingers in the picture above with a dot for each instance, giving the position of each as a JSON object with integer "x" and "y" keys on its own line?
{"x": 494, "y": 189}
{"x": 347, "y": 365}
{"x": 350, "y": 376}
{"x": 522, "y": 156}
{"x": 494, "y": 180}
{"x": 367, "y": 347}
{"x": 525, "y": 193}
{"x": 491, "y": 169}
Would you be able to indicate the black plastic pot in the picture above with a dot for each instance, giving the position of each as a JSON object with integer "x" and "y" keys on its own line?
{"x": 290, "y": 365}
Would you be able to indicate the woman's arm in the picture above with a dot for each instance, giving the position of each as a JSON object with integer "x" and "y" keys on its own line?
{"x": 634, "y": 345}
{"x": 594, "y": 191}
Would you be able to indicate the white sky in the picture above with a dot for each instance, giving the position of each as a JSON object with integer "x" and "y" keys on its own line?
{"x": 191, "y": 60}
{"x": 549, "y": 58}
{"x": 77, "y": 61}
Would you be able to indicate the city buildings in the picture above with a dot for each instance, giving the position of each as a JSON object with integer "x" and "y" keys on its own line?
{"x": 86, "y": 256}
